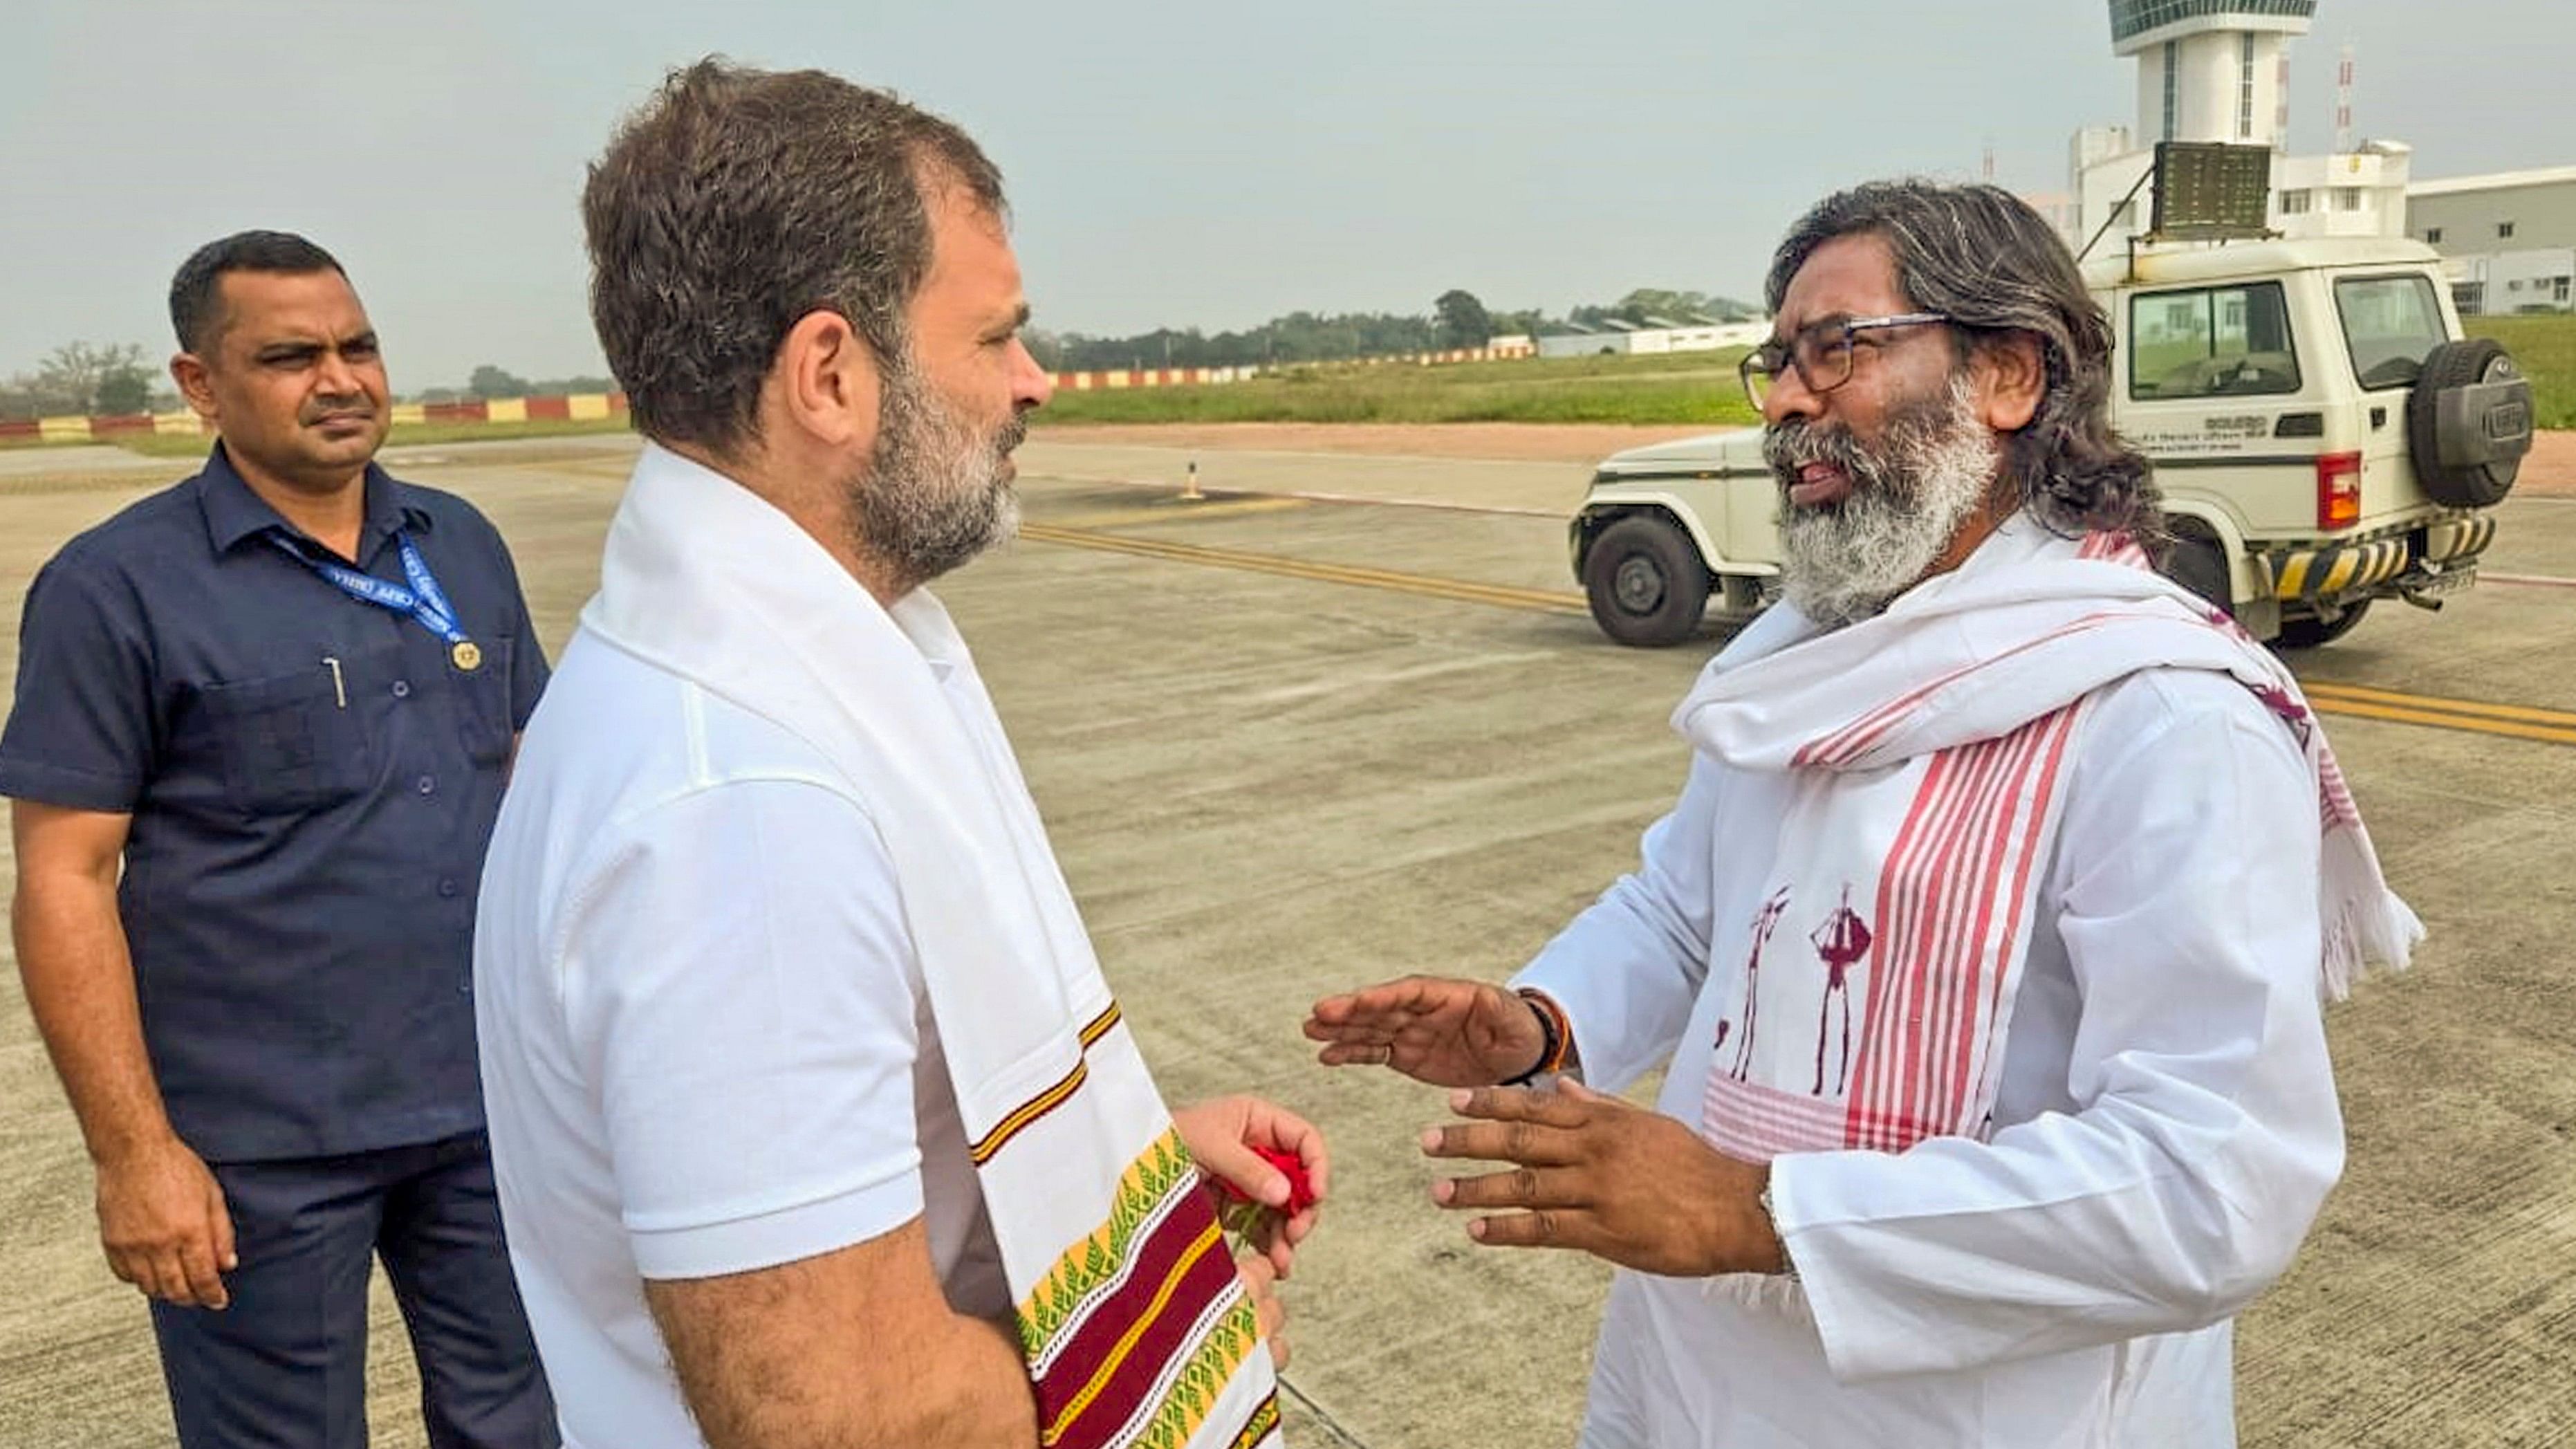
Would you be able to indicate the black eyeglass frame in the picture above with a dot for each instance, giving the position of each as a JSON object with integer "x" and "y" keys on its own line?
{"x": 1767, "y": 361}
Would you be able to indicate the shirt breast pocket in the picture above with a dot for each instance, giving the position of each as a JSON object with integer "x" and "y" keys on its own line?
{"x": 289, "y": 742}
{"x": 483, "y": 701}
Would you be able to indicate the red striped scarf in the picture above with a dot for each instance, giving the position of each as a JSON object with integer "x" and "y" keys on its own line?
{"x": 1925, "y": 754}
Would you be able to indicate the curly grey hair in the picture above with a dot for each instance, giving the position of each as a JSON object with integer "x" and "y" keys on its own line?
{"x": 1983, "y": 257}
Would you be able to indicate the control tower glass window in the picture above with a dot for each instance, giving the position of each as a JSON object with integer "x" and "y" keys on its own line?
{"x": 2133, "y": 18}
{"x": 2173, "y": 88}
{"x": 2245, "y": 86}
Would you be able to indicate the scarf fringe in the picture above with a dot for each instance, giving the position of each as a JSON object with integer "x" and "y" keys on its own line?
{"x": 2366, "y": 925}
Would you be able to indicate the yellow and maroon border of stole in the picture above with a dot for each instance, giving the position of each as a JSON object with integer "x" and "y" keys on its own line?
{"x": 1133, "y": 1335}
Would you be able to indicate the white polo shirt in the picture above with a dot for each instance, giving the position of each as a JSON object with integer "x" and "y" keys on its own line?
{"x": 705, "y": 1043}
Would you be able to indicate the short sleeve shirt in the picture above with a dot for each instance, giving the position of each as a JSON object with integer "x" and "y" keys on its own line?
{"x": 707, "y": 1047}
{"x": 312, "y": 781}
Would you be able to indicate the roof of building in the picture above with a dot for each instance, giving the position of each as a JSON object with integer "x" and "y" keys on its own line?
{"x": 2494, "y": 181}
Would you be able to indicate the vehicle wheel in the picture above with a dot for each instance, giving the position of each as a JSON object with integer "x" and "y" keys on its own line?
{"x": 2472, "y": 407}
{"x": 2309, "y": 631}
{"x": 1646, "y": 582}
{"x": 2197, "y": 564}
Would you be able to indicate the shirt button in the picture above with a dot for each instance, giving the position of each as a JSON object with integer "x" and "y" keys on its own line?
{"x": 402, "y": 689}
{"x": 428, "y": 785}
{"x": 447, "y": 887}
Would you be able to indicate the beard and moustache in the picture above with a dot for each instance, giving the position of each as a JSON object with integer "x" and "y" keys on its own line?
{"x": 1932, "y": 470}
{"x": 936, "y": 492}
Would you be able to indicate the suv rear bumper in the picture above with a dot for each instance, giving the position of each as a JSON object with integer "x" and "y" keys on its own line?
{"x": 2360, "y": 569}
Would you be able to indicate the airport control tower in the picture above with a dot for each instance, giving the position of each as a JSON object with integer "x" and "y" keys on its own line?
{"x": 2209, "y": 70}
{"x": 2218, "y": 70}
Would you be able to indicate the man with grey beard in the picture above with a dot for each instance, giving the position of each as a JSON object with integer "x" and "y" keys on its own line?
{"x": 1985, "y": 946}
{"x": 814, "y": 1120}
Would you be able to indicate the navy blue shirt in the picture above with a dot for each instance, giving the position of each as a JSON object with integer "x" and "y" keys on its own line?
{"x": 312, "y": 781}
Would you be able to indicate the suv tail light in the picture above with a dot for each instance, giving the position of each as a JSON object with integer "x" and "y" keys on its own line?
{"x": 2338, "y": 490}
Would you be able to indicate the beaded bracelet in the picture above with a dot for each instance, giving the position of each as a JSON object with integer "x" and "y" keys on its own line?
{"x": 1556, "y": 1037}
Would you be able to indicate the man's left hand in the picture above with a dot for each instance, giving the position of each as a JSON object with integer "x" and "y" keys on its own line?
{"x": 1602, "y": 1177}
{"x": 1221, "y": 1134}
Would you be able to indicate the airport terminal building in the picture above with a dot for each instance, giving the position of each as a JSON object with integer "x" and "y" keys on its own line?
{"x": 2508, "y": 240}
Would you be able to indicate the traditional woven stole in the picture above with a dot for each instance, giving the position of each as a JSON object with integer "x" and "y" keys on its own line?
{"x": 1923, "y": 757}
{"x": 1879, "y": 977}
{"x": 1134, "y": 1326}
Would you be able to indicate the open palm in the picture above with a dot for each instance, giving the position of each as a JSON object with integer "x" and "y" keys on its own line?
{"x": 1435, "y": 1029}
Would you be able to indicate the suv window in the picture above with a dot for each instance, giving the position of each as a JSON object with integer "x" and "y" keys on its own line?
{"x": 2211, "y": 342}
{"x": 2389, "y": 323}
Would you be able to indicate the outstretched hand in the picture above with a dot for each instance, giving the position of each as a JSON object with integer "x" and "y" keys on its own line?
{"x": 1436, "y": 1029}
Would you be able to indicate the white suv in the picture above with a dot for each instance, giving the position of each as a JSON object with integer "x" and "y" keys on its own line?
{"x": 2323, "y": 436}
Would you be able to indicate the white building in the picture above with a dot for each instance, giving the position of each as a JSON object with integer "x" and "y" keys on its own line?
{"x": 2508, "y": 239}
{"x": 1623, "y": 340}
{"x": 2215, "y": 70}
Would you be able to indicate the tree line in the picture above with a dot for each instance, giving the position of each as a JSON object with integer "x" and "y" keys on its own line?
{"x": 114, "y": 378}
{"x": 1457, "y": 319}
{"x": 79, "y": 377}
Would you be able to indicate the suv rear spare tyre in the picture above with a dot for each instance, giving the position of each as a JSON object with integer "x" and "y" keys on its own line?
{"x": 2468, "y": 423}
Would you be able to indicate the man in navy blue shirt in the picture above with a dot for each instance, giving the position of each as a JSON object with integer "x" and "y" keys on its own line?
{"x": 282, "y": 696}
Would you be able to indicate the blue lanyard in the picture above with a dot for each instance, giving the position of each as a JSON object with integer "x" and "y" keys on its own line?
{"x": 423, "y": 601}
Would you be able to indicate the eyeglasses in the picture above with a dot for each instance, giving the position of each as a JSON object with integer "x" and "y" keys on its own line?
{"x": 1822, "y": 354}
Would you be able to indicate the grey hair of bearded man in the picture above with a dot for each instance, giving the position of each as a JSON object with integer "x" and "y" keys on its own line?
{"x": 1981, "y": 256}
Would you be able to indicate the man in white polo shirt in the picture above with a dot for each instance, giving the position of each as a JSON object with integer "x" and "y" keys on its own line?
{"x": 814, "y": 1120}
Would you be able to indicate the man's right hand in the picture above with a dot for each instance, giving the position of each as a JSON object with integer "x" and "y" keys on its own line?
{"x": 162, "y": 1219}
{"x": 1435, "y": 1029}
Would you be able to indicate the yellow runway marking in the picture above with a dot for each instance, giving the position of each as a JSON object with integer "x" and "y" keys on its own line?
{"x": 2514, "y": 721}
{"x": 1262, "y": 563}
{"x": 1176, "y": 512}
{"x": 2509, "y": 721}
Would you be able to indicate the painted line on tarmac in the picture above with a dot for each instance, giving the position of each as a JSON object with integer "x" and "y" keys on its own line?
{"x": 2509, "y": 721}
{"x": 1166, "y": 485}
{"x": 2516, "y": 721}
{"x": 1458, "y": 590}
{"x": 1179, "y": 510}
{"x": 2531, "y": 581}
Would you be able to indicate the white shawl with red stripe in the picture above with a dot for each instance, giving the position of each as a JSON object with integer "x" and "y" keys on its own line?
{"x": 1923, "y": 755}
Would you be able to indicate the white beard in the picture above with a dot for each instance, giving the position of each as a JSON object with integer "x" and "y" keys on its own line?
{"x": 1908, "y": 500}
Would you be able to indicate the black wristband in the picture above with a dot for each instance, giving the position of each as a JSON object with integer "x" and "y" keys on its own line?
{"x": 1550, "y": 1050}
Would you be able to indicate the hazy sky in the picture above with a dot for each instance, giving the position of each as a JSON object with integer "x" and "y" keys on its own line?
{"x": 1209, "y": 164}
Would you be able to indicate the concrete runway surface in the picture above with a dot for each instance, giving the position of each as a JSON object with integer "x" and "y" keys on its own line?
{"x": 1287, "y": 746}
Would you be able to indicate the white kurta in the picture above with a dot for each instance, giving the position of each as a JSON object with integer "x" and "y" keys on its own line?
{"x": 2165, "y": 1122}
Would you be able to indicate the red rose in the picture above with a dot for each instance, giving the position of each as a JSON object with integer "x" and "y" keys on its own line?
{"x": 1301, "y": 1193}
